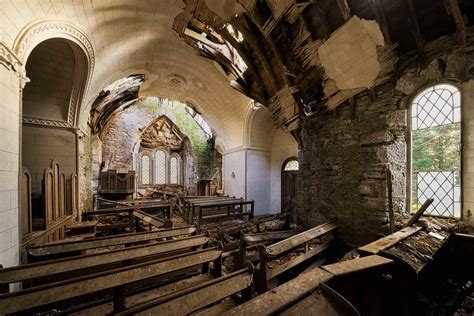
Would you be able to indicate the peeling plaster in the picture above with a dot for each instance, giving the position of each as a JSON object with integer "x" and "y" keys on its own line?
{"x": 349, "y": 56}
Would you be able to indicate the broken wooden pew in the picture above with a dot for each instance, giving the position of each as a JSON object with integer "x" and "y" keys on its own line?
{"x": 265, "y": 272}
{"x": 217, "y": 212}
{"x": 190, "y": 204}
{"x": 134, "y": 212}
{"x": 299, "y": 295}
{"x": 62, "y": 269}
{"x": 247, "y": 241}
{"x": 114, "y": 283}
{"x": 67, "y": 248}
{"x": 197, "y": 298}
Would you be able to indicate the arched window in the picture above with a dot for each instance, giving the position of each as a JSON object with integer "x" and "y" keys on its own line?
{"x": 291, "y": 165}
{"x": 436, "y": 150}
{"x": 174, "y": 170}
{"x": 160, "y": 167}
{"x": 145, "y": 169}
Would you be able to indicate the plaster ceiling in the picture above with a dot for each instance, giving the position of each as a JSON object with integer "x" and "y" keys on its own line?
{"x": 137, "y": 38}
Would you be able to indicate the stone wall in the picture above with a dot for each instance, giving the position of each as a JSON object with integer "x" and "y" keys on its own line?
{"x": 85, "y": 172}
{"x": 345, "y": 152}
{"x": 121, "y": 137}
{"x": 343, "y": 163}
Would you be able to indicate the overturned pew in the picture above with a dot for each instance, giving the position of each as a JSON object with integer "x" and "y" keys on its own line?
{"x": 312, "y": 242}
{"x": 67, "y": 248}
{"x": 112, "y": 283}
{"x": 134, "y": 213}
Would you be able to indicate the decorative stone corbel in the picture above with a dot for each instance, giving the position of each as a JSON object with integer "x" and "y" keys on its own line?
{"x": 10, "y": 60}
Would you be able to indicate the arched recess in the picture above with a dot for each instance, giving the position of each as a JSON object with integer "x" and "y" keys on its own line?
{"x": 41, "y": 30}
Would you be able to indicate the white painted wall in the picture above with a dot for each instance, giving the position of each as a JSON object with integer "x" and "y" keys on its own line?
{"x": 234, "y": 162}
{"x": 9, "y": 164}
{"x": 258, "y": 180}
{"x": 283, "y": 146}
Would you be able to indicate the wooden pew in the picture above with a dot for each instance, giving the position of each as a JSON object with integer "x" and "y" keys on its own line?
{"x": 66, "y": 248}
{"x": 196, "y": 298}
{"x": 247, "y": 241}
{"x": 216, "y": 212}
{"x": 64, "y": 293}
{"x": 279, "y": 249}
{"x": 63, "y": 269}
{"x": 295, "y": 297}
{"x": 191, "y": 202}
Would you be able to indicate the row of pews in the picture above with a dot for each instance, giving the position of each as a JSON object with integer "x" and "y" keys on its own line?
{"x": 173, "y": 271}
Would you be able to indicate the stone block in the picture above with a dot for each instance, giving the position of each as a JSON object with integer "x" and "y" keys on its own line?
{"x": 375, "y": 138}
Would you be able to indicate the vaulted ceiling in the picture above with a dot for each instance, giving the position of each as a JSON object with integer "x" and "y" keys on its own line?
{"x": 289, "y": 55}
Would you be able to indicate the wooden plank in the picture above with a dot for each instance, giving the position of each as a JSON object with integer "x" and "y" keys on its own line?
{"x": 41, "y": 295}
{"x": 284, "y": 295}
{"x": 35, "y": 270}
{"x": 390, "y": 240}
{"x": 355, "y": 265}
{"x": 268, "y": 236}
{"x": 150, "y": 219}
{"x": 295, "y": 261}
{"x": 299, "y": 239}
{"x": 142, "y": 297}
{"x": 189, "y": 300}
{"x": 65, "y": 246}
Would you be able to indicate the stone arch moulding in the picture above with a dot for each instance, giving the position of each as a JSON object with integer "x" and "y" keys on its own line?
{"x": 40, "y": 30}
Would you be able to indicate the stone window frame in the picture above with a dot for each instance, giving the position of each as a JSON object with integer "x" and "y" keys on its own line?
{"x": 166, "y": 165}
{"x": 150, "y": 171}
{"x": 409, "y": 134}
{"x": 180, "y": 168}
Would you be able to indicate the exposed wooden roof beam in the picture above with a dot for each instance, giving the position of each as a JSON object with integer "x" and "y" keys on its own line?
{"x": 381, "y": 19}
{"x": 420, "y": 42}
{"x": 458, "y": 20}
{"x": 344, "y": 9}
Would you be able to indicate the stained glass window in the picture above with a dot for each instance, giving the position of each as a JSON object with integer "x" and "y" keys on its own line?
{"x": 436, "y": 150}
{"x": 174, "y": 170}
{"x": 292, "y": 165}
{"x": 145, "y": 168}
{"x": 160, "y": 167}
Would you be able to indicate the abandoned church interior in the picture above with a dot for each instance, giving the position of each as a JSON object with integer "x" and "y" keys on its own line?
{"x": 237, "y": 157}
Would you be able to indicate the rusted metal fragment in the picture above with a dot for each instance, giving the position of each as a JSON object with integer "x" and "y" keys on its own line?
{"x": 355, "y": 265}
{"x": 283, "y": 295}
{"x": 68, "y": 246}
{"x": 388, "y": 241}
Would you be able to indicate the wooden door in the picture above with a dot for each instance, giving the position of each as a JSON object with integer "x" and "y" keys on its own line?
{"x": 289, "y": 185}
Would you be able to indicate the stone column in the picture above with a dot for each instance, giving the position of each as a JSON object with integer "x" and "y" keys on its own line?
{"x": 11, "y": 82}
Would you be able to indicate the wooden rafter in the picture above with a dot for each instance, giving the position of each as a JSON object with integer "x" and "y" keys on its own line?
{"x": 344, "y": 9}
{"x": 420, "y": 42}
{"x": 381, "y": 19}
{"x": 458, "y": 20}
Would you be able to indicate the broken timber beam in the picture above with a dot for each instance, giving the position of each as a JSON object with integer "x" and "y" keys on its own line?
{"x": 418, "y": 214}
{"x": 388, "y": 241}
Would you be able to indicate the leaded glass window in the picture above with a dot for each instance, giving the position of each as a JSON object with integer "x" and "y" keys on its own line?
{"x": 436, "y": 150}
{"x": 160, "y": 167}
{"x": 292, "y": 165}
{"x": 145, "y": 169}
{"x": 174, "y": 170}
